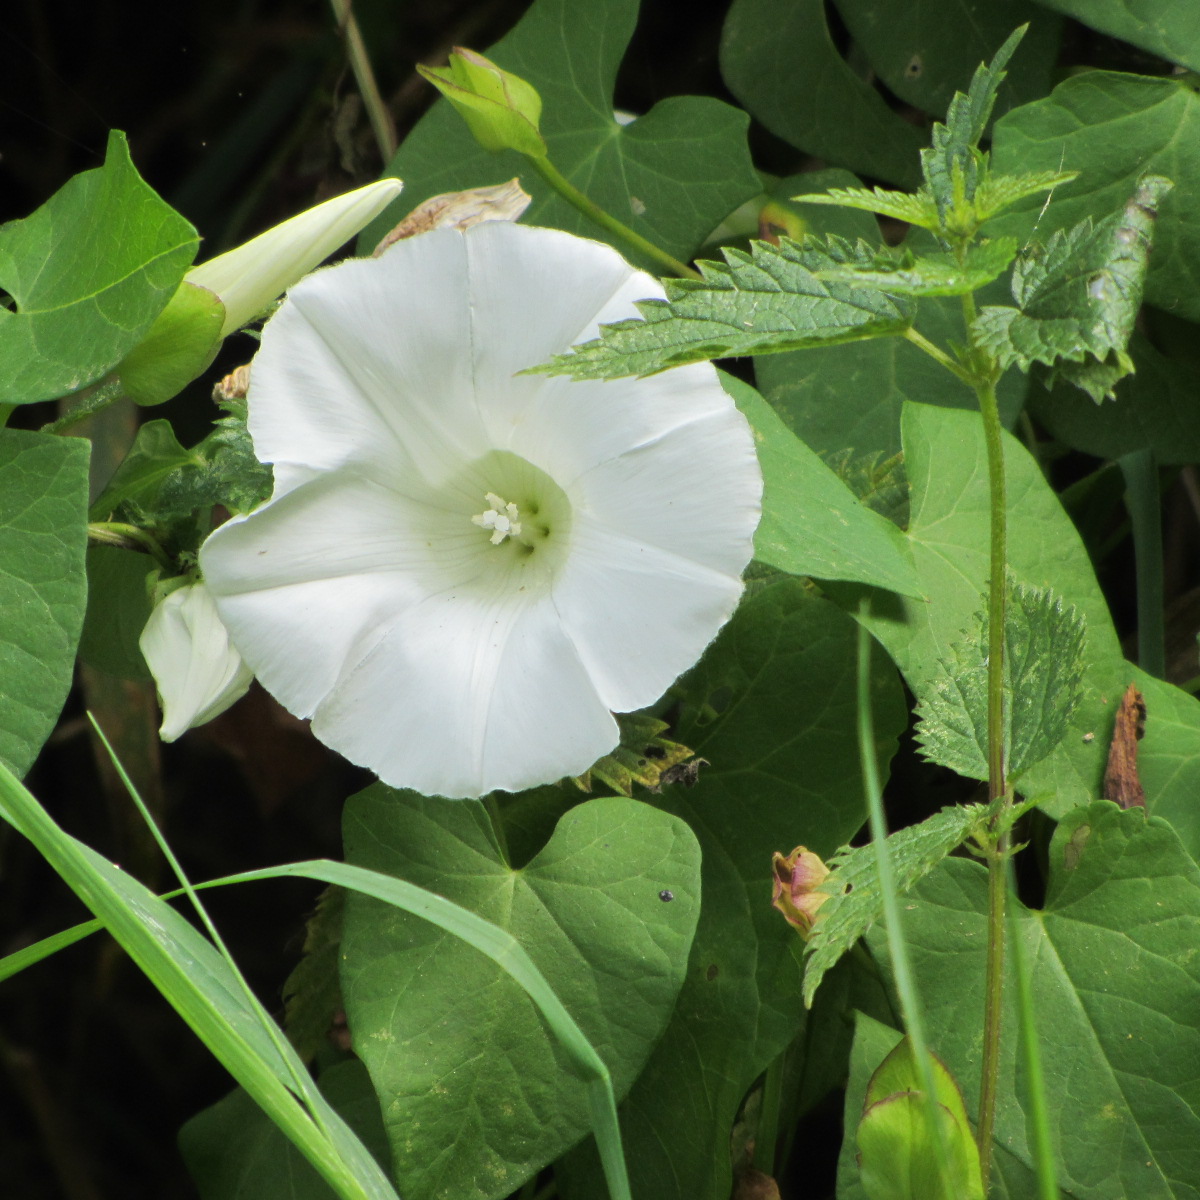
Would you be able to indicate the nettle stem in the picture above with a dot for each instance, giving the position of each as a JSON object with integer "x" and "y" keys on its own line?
{"x": 998, "y": 793}
{"x": 572, "y": 195}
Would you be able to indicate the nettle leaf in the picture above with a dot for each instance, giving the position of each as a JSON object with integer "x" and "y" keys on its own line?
{"x": 771, "y": 299}
{"x": 1079, "y": 296}
{"x": 1043, "y": 672}
{"x": 1114, "y": 128}
{"x": 998, "y": 192}
{"x": 43, "y": 584}
{"x": 1114, "y": 974}
{"x": 227, "y": 472}
{"x": 917, "y": 208}
{"x": 606, "y": 909}
{"x": 952, "y": 165}
{"x": 89, "y": 272}
{"x": 855, "y": 897}
{"x": 672, "y": 175}
{"x": 902, "y": 273}
{"x": 946, "y": 461}
{"x": 878, "y": 481}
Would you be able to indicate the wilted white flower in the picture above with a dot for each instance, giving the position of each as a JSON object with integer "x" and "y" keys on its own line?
{"x": 249, "y": 277}
{"x": 197, "y": 672}
{"x": 463, "y": 572}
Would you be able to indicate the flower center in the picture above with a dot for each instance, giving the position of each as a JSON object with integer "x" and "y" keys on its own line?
{"x": 502, "y": 518}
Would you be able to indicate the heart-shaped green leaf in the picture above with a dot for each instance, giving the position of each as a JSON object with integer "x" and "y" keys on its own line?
{"x": 476, "y": 1095}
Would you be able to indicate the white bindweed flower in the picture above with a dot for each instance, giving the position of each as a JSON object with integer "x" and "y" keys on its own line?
{"x": 463, "y": 572}
{"x": 247, "y": 278}
{"x": 197, "y": 672}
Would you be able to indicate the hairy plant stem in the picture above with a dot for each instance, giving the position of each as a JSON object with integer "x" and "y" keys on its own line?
{"x": 998, "y": 793}
{"x": 382, "y": 125}
{"x": 572, "y": 195}
{"x": 128, "y": 537}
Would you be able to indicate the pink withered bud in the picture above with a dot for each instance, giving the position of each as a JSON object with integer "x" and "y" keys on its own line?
{"x": 797, "y": 878}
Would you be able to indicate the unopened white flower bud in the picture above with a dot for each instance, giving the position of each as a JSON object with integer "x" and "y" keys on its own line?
{"x": 198, "y": 672}
{"x": 247, "y": 278}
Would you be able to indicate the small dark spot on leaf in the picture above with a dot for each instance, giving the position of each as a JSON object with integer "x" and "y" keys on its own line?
{"x": 666, "y": 895}
{"x": 915, "y": 67}
{"x": 712, "y": 972}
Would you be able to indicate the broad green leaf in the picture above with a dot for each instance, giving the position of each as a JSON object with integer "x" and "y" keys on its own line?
{"x": 924, "y": 50}
{"x": 770, "y": 707}
{"x": 880, "y": 483}
{"x": 780, "y": 61}
{"x": 953, "y": 165}
{"x": 812, "y": 523}
{"x": 898, "y": 1150}
{"x": 1079, "y": 296}
{"x": 178, "y": 347}
{"x": 154, "y": 455}
{"x": 1043, "y": 668}
{"x": 606, "y": 910}
{"x": 1153, "y": 409}
{"x": 856, "y": 899}
{"x": 1168, "y": 28}
{"x": 1114, "y": 975}
{"x": 118, "y": 607}
{"x": 312, "y": 994}
{"x": 672, "y": 175}
{"x": 948, "y": 534}
{"x": 873, "y": 1041}
{"x": 89, "y": 271}
{"x": 234, "y": 1151}
{"x": 43, "y": 587}
{"x": 771, "y": 299}
{"x": 1113, "y": 128}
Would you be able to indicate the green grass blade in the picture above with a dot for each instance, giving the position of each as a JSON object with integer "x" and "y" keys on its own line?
{"x": 200, "y": 986}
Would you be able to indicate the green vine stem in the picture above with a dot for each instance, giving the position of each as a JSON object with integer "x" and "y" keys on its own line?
{"x": 129, "y": 537}
{"x": 382, "y": 125}
{"x": 572, "y": 195}
{"x": 998, "y": 793}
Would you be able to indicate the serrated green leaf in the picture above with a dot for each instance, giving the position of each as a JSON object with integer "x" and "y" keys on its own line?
{"x": 43, "y": 584}
{"x": 225, "y": 471}
{"x": 781, "y": 62}
{"x": 1113, "y": 128}
{"x": 672, "y": 175}
{"x": 946, "y": 460}
{"x": 917, "y": 208}
{"x": 606, "y": 910}
{"x": 769, "y": 300}
{"x": 855, "y": 897}
{"x": 998, "y": 192}
{"x": 1043, "y": 670}
{"x": 901, "y": 273}
{"x": 1079, "y": 295}
{"x": 812, "y": 524}
{"x": 1113, "y": 969}
{"x": 154, "y": 455}
{"x": 953, "y": 165}
{"x": 879, "y": 482}
{"x": 89, "y": 271}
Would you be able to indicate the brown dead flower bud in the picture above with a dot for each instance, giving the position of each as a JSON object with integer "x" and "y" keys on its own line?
{"x": 797, "y": 878}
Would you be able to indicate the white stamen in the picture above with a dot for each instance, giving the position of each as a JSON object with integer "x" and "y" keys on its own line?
{"x": 501, "y": 518}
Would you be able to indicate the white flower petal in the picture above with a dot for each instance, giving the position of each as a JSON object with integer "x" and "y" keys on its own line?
{"x": 458, "y": 699}
{"x": 462, "y": 572}
{"x": 197, "y": 671}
